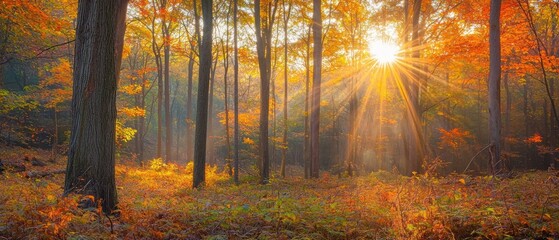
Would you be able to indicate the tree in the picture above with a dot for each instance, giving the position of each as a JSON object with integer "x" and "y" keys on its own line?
{"x": 263, "y": 28}
{"x": 315, "y": 94}
{"x": 494, "y": 85}
{"x": 165, "y": 22}
{"x": 236, "y": 89}
{"x": 98, "y": 51}
{"x": 307, "y": 139}
{"x": 225, "y": 45}
{"x": 286, "y": 14}
{"x": 415, "y": 140}
{"x": 55, "y": 90}
{"x": 204, "y": 69}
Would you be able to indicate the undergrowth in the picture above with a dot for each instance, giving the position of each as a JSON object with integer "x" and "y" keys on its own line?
{"x": 157, "y": 202}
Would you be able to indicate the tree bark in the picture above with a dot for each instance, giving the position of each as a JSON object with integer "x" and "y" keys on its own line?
{"x": 315, "y": 94}
{"x": 166, "y": 82}
{"x": 286, "y": 14}
{"x": 91, "y": 157}
{"x": 263, "y": 48}
{"x": 210, "y": 145}
{"x": 508, "y": 110}
{"x": 202, "y": 103}
{"x": 264, "y": 97}
{"x": 416, "y": 150}
{"x": 236, "y": 89}
{"x": 157, "y": 55}
{"x": 142, "y": 120}
{"x": 307, "y": 145}
{"x": 55, "y": 135}
{"x": 189, "y": 120}
{"x": 226, "y": 96}
{"x": 494, "y": 85}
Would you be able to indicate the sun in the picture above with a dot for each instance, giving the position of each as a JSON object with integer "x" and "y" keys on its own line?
{"x": 384, "y": 52}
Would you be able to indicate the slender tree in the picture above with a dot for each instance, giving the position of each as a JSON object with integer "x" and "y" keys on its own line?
{"x": 225, "y": 46}
{"x": 98, "y": 51}
{"x": 189, "y": 120}
{"x": 415, "y": 134}
{"x": 165, "y": 22}
{"x": 263, "y": 28}
{"x": 286, "y": 15}
{"x": 494, "y": 84}
{"x": 156, "y": 49}
{"x": 307, "y": 141}
{"x": 315, "y": 94}
{"x": 203, "y": 92}
{"x": 236, "y": 89}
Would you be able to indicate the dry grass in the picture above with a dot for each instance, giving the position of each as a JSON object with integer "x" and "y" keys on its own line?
{"x": 157, "y": 202}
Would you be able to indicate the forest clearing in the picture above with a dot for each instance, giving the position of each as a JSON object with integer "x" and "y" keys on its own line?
{"x": 157, "y": 202}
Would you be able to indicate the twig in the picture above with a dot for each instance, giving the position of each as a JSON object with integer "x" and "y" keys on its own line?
{"x": 51, "y": 47}
{"x": 40, "y": 52}
{"x": 110, "y": 221}
{"x": 483, "y": 149}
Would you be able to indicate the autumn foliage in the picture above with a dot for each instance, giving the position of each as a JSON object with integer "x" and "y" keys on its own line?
{"x": 157, "y": 202}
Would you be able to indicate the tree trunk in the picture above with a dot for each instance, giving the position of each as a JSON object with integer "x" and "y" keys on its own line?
{"x": 168, "y": 117}
{"x": 141, "y": 128}
{"x": 177, "y": 135}
{"x": 508, "y": 109}
{"x": 210, "y": 145}
{"x": 202, "y": 103}
{"x": 306, "y": 146}
{"x": 55, "y": 135}
{"x": 315, "y": 94}
{"x": 157, "y": 54}
{"x": 287, "y": 13}
{"x": 226, "y": 98}
{"x": 236, "y": 90}
{"x": 263, "y": 48}
{"x": 91, "y": 156}
{"x": 352, "y": 136}
{"x": 494, "y": 85}
{"x": 527, "y": 120}
{"x": 189, "y": 120}
{"x": 415, "y": 150}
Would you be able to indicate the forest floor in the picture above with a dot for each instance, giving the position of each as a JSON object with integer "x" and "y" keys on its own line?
{"x": 157, "y": 202}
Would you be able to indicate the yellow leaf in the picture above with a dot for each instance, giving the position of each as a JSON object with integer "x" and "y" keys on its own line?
{"x": 462, "y": 181}
{"x": 50, "y": 197}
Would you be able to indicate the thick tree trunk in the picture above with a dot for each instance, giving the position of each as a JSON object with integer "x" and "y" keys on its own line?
{"x": 91, "y": 157}
{"x": 315, "y": 95}
{"x": 494, "y": 86}
{"x": 202, "y": 103}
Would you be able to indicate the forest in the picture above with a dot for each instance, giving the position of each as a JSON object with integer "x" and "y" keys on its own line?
{"x": 279, "y": 119}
